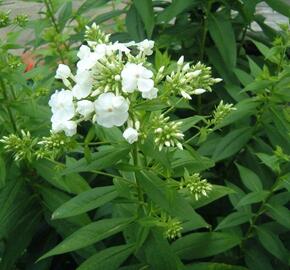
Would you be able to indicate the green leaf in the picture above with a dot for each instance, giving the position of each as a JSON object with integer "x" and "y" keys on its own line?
{"x": 221, "y": 31}
{"x": 213, "y": 266}
{"x": 233, "y": 219}
{"x": 89, "y": 4}
{"x": 244, "y": 77}
{"x": 265, "y": 51}
{"x": 71, "y": 183}
{"x": 280, "y": 213}
{"x": 90, "y": 234}
{"x": 191, "y": 160}
{"x": 20, "y": 237}
{"x": 168, "y": 199}
{"x": 255, "y": 69}
{"x": 174, "y": 9}
{"x": 190, "y": 122}
{"x": 85, "y": 202}
{"x": 105, "y": 158}
{"x": 145, "y": 10}
{"x": 253, "y": 197}
{"x": 65, "y": 14}
{"x": 282, "y": 6}
{"x": 134, "y": 24}
{"x": 250, "y": 179}
{"x": 158, "y": 253}
{"x": 105, "y": 16}
{"x": 257, "y": 258}
{"x": 109, "y": 259}
{"x": 271, "y": 242}
{"x": 232, "y": 143}
{"x": 271, "y": 161}
{"x": 202, "y": 245}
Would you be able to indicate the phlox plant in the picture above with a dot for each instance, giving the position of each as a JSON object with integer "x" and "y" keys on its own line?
{"x": 114, "y": 121}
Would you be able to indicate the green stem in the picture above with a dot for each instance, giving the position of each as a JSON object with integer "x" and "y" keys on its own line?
{"x": 136, "y": 163}
{"x": 202, "y": 47}
{"x": 242, "y": 40}
{"x": 8, "y": 108}
{"x": 173, "y": 107}
{"x": 50, "y": 14}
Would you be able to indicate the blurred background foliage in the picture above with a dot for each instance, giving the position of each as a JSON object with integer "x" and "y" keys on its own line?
{"x": 250, "y": 155}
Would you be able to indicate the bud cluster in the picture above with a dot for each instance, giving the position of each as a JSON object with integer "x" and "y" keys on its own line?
{"x": 4, "y": 18}
{"x": 21, "y": 146}
{"x": 197, "y": 186}
{"x": 190, "y": 80}
{"x": 167, "y": 133}
{"x": 53, "y": 145}
{"x": 221, "y": 111}
{"x": 107, "y": 75}
{"x": 172, "y": 227}
{"x": 94, "y": 34}
{"x": 20, "y": 20}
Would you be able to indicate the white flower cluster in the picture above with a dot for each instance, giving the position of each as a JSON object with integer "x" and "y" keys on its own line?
{"x": 110, "y": 80}
{"x": 100, "y": 89}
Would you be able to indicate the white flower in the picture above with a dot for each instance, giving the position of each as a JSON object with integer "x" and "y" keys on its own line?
{"x": 146, "y": 46}
{"x": 136, "y": 77}
{"x": 87, "y": 58}
{"x": 111, "y": 110}
{"x": 69, "y": 127}
{"x": 85, "y": 107}
{"x": 61, "y": 103}
{"x": 150, "y": 94}
{"x": 84, "y": 84}
{"x": 198, "y": 91}
{"x": 62, "y": 72}
{"x": 130, "y": 135}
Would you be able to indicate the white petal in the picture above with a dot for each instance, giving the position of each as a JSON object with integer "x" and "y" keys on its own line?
{"x": 150, "y": 94}
{"x": 145, "y": 85}
{"x": 130, "y": 135}
{"x": 81, "y": 91}
{"x": 62, "y": 72}
{"x": 84, "y": 51}
{"x": 85, "y": 107}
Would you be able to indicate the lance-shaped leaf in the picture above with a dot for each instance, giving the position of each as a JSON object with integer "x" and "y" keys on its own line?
{"x": 89, "y": 235}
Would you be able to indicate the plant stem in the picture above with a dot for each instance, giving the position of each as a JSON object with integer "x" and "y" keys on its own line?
{"x": 242, "y": 40}
{"x": 50, "y": 14}
{"x": 136, "y": 163}
{"x": 13, "y": 122}
{"x": 202, "y": 47}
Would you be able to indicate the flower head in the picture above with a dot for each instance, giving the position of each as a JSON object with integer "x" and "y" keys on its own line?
{"x": 62, "y": 106}
{"x": 111, "y": 110}
{"x": 136, "y": 77}
{"x": 62, "y": 72}
{"x": 146, "y": 46}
